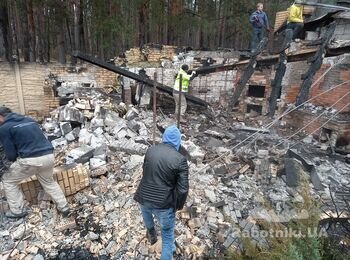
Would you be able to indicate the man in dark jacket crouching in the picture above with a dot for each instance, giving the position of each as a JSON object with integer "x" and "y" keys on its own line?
{"x": 163, "y": 189}
{"x": 31, "y": 153}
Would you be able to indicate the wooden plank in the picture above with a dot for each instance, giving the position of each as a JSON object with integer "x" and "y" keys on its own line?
{"x": 281, "y": 18}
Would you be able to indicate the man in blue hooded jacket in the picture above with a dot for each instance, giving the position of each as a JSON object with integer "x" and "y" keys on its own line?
{"x": 260, "y": 23}
{"x": 163, "y": 189}
{"x": 31, "y": 153}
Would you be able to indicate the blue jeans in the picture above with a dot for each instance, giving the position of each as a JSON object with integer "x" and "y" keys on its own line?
{"x": 166, "y": 219}
{"x": 258, "y": 34}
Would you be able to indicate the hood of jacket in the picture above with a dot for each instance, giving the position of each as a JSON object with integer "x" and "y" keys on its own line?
{"x": 172, "y": 136}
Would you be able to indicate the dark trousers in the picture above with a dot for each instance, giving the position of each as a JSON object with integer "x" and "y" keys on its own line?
{"x": 258, "y": 34}
{"x": 296, "y": 27}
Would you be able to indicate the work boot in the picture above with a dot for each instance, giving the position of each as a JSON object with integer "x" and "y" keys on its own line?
{"x": 151, "y": 236}
{"x": 65, "y": 212}
{"x": 10, "y": 214}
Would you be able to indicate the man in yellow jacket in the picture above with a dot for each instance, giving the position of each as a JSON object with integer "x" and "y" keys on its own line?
{"x": 184, "y": 88}
{"x": 295, "y": 18}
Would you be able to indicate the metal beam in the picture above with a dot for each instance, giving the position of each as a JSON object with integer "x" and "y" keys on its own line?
{"x": 148, "y": 82}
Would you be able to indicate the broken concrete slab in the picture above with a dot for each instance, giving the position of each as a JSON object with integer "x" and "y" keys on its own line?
{"x": 71, "y": 114}
{"x": 294, "y": 171}
{"x": 196, "y": 153}
{"x": 220, "y": 169}
{"x": 133, "y": 125}
{"x": 307, "y": 163}
{"x": 96, "y": 163}
{"x": 209, "y": 194}
{"x": 59, "y": 142}
{"x": 65, "y": 127}
{"x": 131, "y": 114}
{"x": 85, "y": 136}
{"x": 81, "y": 154}
{"x": 263, "y": 154}
{"x": 97, "y": 141}
{"x": 134, "y": 161}
{"x": 129, "y": 146}
{"x": 111, "y": 119}
{"x": 315, "y": 180}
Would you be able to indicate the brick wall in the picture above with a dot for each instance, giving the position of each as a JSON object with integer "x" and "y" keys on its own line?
{"x": 8, "y": 92}
{"x": 259, "y": 78}
{"x": 300, "y": 118}
{"x": 38, "y": 96}
{"x": 215, "y": 87}
{"x": 337, "y": 75}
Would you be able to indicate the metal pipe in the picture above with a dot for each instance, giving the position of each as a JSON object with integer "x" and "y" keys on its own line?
{"x": 154, "y": 107}
{"x": 179, "y": 104}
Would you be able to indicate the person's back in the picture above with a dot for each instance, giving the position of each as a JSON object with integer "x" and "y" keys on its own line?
{"x": 161, "y": 167}
{"x": 163, "y": 188}
{"x": 295, "y": 14}
{"x": 185, "y": 81}
{"x": 24, "y": 134}
{"x": 31, "y": 153}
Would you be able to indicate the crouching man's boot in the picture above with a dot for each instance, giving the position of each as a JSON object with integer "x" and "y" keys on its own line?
{"x": 65, "y": 212}
{"x": 151, "y": 235}
{"x": 10, "y": 214}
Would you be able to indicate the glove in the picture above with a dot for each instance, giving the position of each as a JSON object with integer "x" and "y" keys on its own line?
{"x": 193, "y": 73}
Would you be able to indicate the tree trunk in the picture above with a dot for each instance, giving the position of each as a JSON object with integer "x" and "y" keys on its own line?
{"x": 82, "y": 41}
{"x": 40, "y": 45}
{"x": 12, "y": 16}
{"x": 48, "y": 42}
{"x": 61, "y": 44}
{"x": 76, "y": 9}
{"x": 4, "y": 25}
{"x": 142, "y": 24}
{"x": 31, "y": 31}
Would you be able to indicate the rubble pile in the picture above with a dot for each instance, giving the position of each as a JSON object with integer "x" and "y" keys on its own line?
{"x": 226, "y": 197}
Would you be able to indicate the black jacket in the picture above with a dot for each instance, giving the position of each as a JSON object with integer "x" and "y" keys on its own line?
{"x": 164, "y": 183}
{"x": 21, "y": 137}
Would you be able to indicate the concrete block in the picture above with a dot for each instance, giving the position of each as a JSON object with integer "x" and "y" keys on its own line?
{"x": 81, "y": 154}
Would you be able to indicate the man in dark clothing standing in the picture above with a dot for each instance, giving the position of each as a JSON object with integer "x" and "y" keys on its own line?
{"x": 31, "y": 154}
{"x": 260, "y": 23}
{"x": 163, "y": 189}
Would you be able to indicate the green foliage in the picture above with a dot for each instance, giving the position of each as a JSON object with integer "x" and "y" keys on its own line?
{"x": 293, "y": 253}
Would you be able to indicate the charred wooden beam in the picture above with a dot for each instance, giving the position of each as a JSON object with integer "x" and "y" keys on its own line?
{"x": 316, "y": 63}
{"x": 327, "y": 6}
{"x": 148, "y": 82}
{"x": 280, "y": 71}
{"x": 248, "y": 71}
{"x": 261, "y": 61}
